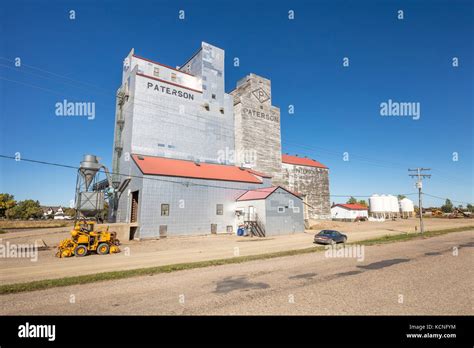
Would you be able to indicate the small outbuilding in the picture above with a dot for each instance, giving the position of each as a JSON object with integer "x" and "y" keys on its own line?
{"x": 349, "y": 212}
{"x": 275, "y": 210}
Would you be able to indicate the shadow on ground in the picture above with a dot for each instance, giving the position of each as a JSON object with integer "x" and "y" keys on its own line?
{"x": 383, "y": 264}
{"x": 240, "y": 283}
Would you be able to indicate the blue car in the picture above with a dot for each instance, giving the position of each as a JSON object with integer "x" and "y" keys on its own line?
{"x": 330, "y": 237}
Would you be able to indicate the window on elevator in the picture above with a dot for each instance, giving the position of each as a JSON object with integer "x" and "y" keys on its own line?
{"x": 165, "y": 210}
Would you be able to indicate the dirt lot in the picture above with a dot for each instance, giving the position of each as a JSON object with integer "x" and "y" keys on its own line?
{"x": 183, "y": 249}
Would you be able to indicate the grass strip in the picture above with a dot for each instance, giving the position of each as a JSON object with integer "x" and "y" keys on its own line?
{"x": 410, "y": 236}
{"x": 13, "y": 225}
{"x": 114, "y": 275}
{"x": 149, "y": 271}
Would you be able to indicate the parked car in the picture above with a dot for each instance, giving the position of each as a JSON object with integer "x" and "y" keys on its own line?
{"x": 330, "y": 237}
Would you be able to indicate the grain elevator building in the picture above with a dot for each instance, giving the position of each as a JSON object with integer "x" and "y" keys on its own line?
{"x": 201, "y": 160}
{"x": 311, "y": 179}
{"x": 257, "y": 127}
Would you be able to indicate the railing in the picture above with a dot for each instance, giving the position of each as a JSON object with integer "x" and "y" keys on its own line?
{"x": 254, "y": 225}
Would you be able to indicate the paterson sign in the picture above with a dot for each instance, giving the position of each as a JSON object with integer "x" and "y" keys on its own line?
{"x": 169, "y": 90}
{"x": 303, "y": 171}
{"x": 263, "y": 115}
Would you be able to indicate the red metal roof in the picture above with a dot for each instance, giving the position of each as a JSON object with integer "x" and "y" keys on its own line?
{"x": 301, "y": 161}
{"x": 351, "y": 206}
{"x": 257, "y": 194}
{"x": 259, "y": 173}
{"x": 188, "y": 169}
{"x": 261, "y": 193}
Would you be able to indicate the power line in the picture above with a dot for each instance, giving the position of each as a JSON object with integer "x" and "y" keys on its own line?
{"x": 49, "y": 78}
{"x": 34, "y": 86}
{"x": 371, "y": 162}
{"x": 121, "y": 174}
{"x": 358, "y": 159}
{"x": 130, "y": 175}
{"x": 362, "y": 159}
{"x": 444, "y": 198}
{"x": 187, "y": 184}
{"x": 182, "y": 125}
{"x": 58, "y": 75}
{"x": 452, "y": 179}
{"x": 220, "y": 126}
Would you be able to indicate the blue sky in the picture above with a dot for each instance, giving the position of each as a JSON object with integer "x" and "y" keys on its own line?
{"x": 337, "y": 109}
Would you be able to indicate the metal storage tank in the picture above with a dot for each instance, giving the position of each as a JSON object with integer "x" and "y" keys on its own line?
{"x": 385, "y": 204}
{"x": 394, "y": 207}
{"x": 376, "y": 205}
{"x": 407, "y": 207}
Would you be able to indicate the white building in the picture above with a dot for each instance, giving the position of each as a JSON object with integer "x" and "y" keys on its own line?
{"x": 57, "y": 213}
{"x": 349, "y": 212}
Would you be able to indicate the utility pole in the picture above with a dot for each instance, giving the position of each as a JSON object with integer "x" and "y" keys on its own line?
{"x": 419, "y": 184}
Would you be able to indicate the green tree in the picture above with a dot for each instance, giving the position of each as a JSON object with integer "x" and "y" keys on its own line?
{"x": 7, "y": 201}
{"x": 352, "y": 200}
{"x": 447, "y": 207}
{"x": 364, "y": 203}
{"x": 25, "y": 210}
{"x": 470, "y": 208}
{"x": 400, "y": 197}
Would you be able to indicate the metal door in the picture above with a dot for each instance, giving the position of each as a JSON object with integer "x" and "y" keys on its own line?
{"x": 251, "y": 213}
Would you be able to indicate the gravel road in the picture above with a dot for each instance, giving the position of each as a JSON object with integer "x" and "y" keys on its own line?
{"x": 182, "y": 249}
{"x": 423, "y": 276}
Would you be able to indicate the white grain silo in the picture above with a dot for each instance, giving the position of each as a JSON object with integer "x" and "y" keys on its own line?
{"x": 385, "y": 205}
{"x": 394, "y": 206}
{"x": 376, "y": 206}
{"x": 407, "y": 207}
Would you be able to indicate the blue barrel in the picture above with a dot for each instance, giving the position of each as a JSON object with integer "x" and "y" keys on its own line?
{"x": 240, "y": 231}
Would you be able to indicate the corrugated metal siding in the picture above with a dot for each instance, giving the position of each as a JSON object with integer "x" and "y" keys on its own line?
{"x": 192, "y": 208}
{"x": 289, "y": 221}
